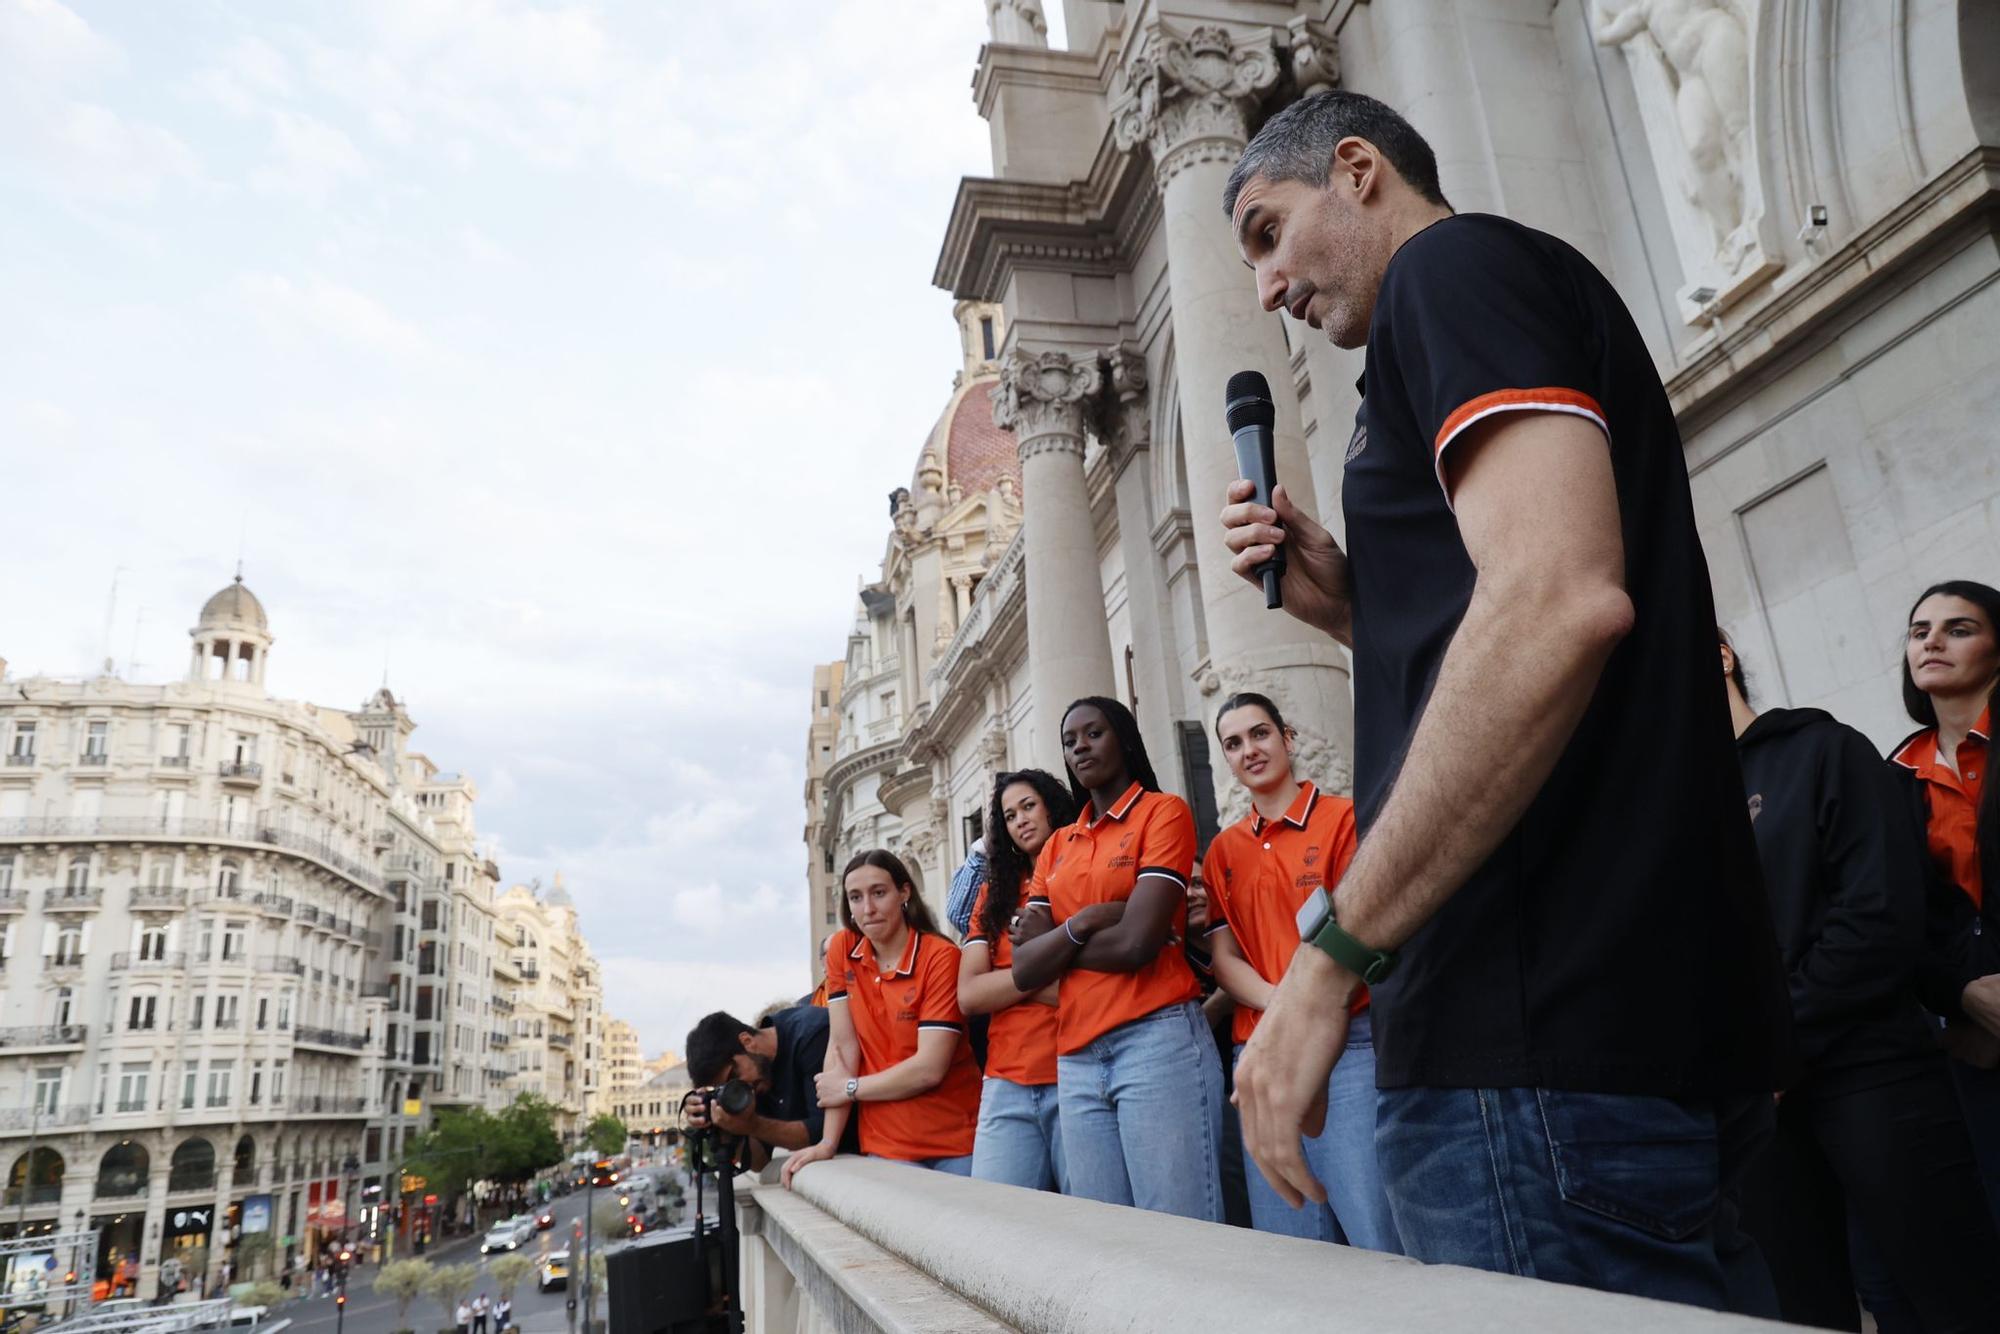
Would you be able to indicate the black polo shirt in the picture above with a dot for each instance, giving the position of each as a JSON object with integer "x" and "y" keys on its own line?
{"x": 1618, "y": 940}
{"x": 802, "y": 1034}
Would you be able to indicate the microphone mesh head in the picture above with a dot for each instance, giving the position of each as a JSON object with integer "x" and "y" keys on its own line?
{"x": 1247, "y": 401}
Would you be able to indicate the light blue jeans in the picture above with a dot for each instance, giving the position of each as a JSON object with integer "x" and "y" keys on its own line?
{"x": 1142, "y": 1115}
{"x": 1342, "y": 1157}
{"x": 1020, "y": 1136}
{"x": 960, "y": 1166}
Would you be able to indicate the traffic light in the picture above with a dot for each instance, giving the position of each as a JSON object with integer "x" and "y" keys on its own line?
{"x": 345, "y": 1255}
{"x": 339, "y": 1299}
{"x": 69, "y": 1278}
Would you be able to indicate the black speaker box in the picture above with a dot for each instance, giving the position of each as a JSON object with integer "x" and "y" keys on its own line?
{"x": 660, "y": 1285}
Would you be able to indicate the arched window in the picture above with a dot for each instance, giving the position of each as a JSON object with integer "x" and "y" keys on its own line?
{"x": 246, "y": 1161}
{"x": 193, "y": 1166}
{"x": 122, "y": 1170}
{"x": 42, "y": 1181}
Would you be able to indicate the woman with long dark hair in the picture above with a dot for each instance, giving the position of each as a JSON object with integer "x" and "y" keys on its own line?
{"x": 1951, "y": 673}
{"x": 896, "y": 1038}
{"x": 1260, "y": 871}
{"x": 1869, "y": 1140}
{"x": 1139, "y": 1085}
{"x": 1020, "y": 1132}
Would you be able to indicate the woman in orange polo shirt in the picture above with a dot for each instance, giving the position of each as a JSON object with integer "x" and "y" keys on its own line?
{"x": 896, "y": 1038}
{"x": 1138, "y": 1083}
{"x": 1020, "y": 1135}
{"x": 1951, "y": 677}
{"x": 1259, "y": 872}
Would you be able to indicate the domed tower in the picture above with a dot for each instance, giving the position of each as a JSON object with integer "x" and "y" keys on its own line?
{"x": 232, "y": 640}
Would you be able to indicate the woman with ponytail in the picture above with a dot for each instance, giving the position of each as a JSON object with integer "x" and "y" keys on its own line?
{"x": 1020, "y": 1133}
{"x": 896, "y": 1036}
{"x": 1139, "y": 1085}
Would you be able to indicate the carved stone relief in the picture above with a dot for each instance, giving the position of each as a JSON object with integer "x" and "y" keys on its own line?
{"x": 1186, "y": 95}
{"x": 1691, "y": 69}
{"x": 1315, "y": 759}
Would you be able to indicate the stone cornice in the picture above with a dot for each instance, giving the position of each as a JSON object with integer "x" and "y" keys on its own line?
{"x": 1096, "y": 225}
{"x": 1082, "y": 73}
{"x": 993, "y": 635}
{"x": 1965, "y": 195}
{"x": 840, "y": 775}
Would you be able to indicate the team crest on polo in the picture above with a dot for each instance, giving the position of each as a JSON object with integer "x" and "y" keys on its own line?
{"x": 909, "y": 995}
{"x": 1312, "y": 855}
{"x": 1358, "y": 442}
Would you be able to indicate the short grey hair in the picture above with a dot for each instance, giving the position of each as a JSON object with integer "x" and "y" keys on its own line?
{"x": 1297, "y": 144}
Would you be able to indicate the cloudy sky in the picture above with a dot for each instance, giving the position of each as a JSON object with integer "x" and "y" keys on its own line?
{"x": 558, "y": 357}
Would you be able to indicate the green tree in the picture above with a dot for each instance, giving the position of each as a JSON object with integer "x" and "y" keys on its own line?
{"x": 609, "y": 1221}
{"x": 607, "y": 1134}
{"x": 527, "y": 1139}
{"x": 599, "y": 1279}
{"x": 252, "y": 1250}
{"x": 450, "y": 1285}
{"x": 265, "y": 1293}
{"x": 507, "y": 1273}
{"x": 402, "y": 1282}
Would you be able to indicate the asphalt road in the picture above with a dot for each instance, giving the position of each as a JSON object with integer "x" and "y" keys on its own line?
{"x": 535, "y": 1312}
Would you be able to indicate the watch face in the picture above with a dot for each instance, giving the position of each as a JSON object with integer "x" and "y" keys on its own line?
{"x": 1313, "y": 913}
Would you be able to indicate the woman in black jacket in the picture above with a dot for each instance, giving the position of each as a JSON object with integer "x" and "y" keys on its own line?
{"x": 1872, "y": 1120}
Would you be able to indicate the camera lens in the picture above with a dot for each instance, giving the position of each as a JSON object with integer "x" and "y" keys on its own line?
{"x": 735, "y": 1097}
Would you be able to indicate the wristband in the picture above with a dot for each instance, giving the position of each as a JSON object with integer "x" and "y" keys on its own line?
{"x": 1071, "y": 934}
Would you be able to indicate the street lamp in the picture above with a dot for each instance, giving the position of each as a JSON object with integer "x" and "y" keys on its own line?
{"x": 350, "y": 1169}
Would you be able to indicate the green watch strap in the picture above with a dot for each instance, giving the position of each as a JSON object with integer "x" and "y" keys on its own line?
{"x": 1371, "y": 965}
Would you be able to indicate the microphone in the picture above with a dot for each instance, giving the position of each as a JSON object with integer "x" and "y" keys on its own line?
{"x": 1251, "y": 415}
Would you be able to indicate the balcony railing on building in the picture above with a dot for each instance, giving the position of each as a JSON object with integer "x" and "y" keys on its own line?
{"x": 93, "y": 759}
{"x": 562, "y": 1040}
{"x": 173, "y": 761}
{"x": 280, "y": 963}
{"x": 241, "y": 773}
{"x": 20, "y": 759}
{"x": 72, "y": 898}
{"x": 148, "y": 828}
{"x": 322, "y": 1104}
{"x": 13, "y": 900}
{"x": 159, "y": 896}
{"x": 26, "y": 1119}
{"x": 47, "y": 1193}
{"x": 42, "y": 1035}
{"x": 277, "y": 905}
{"x": 329, "y": 1037}
{"x": 142, "y": 961}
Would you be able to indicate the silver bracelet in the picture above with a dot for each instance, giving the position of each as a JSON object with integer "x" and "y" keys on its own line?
{"x": 1071, "y": 934}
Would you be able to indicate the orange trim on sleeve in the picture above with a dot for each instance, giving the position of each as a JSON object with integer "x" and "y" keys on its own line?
{"x": 1548, "y": 399}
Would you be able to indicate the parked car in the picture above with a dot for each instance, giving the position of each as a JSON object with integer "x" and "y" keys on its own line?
{"x": 555, "y": 1270}
{"x": 545, "y": 1220}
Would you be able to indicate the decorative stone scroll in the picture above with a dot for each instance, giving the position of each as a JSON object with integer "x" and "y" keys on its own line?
{"x": 1691, "y": 69}
{"x": 1187, "y": 95}
{"x": 1043, "y": 399}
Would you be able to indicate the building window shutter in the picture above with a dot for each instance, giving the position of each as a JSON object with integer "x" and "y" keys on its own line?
{"x": 1200, "y": 782}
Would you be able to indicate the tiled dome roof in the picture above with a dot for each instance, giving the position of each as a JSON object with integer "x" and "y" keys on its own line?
{"x": 976, "y": 452}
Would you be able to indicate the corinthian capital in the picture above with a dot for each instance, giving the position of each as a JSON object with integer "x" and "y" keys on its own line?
{"x": 1187, "y": 95}
{"x": 1044, "y": 396}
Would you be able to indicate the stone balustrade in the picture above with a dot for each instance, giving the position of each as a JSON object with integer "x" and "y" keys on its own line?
{"x": 865, "y": 1245}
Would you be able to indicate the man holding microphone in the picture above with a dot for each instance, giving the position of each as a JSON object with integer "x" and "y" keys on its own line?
{"x": 1580, "y": 1014}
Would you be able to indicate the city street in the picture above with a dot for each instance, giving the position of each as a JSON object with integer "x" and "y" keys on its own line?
{"x": 534, "y": 1311}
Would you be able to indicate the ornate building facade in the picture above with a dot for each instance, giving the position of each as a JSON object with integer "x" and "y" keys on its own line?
{"x": 557, "y": 999}
{"x": 1797, "y": 202}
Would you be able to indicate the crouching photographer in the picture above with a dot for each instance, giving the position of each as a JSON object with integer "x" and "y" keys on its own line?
{"x": 757, "y": 1083}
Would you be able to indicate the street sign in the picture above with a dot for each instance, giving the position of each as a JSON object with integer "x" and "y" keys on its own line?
{"x": 413, "y": 1107}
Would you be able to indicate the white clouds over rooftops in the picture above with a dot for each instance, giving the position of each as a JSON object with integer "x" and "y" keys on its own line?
{"x": 559, "y": 355}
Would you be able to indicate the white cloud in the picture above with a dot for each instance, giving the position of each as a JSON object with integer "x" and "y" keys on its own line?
{"x": 664, "y": 1003}
{"x": 339, "y": 312}
{"x": 309, "y": 158}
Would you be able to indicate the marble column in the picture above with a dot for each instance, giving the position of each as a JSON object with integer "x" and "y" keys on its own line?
{"x": 1185, "y": 96}
{"x": 1043, "y": 398}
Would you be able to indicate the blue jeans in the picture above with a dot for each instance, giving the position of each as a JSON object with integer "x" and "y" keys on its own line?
{"x": 1142, "y": 1115}
{"x": 1020, "y": 1136}
{"x": 1620, "y": 1192}
{"x": 1342, "y": 1157}
{"x": 960, "y": 1166}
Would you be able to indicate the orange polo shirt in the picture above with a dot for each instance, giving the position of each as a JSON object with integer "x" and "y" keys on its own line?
{"x": 1097, "y": 860}
{"x": 888, "y": 1010}
{"x": 1259, "y": 874}
{"x": 1953, "y": 799}
{"x": 1021, "y": 1039}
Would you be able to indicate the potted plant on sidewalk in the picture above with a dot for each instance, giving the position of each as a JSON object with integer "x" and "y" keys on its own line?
{"x": 402, "y": 1282}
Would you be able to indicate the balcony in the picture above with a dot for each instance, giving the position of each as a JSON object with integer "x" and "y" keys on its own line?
{"x": 173, "y": 761}
{"x": 308, "y": 914}
{"x": 400, "y": 864}
{"x": 44, "y": 1194}
{"x": 529, "y": 972}
{"x": 123, "y": 1186}
{"x": 127, "y": 1106}
{"x": 93, "y": 759}
{"x": 21, "y": 760}
{"x": 499, "y": 1040}
{"x": 376, "y": 990}
{"x": 281, "y": 963}
{"x": 383, "y": 838}
{"x": 42, "y": 1035}
{"x": 273, "y": 905}
{"x": 328, "y": 1104}
{"x": 329, "y": 1037}
{"x": 241, "y": 773}
{"x": 159, "y": 897}
{"x": 13, "y": 900}
{"x": 124, "y": 962}
{"x": 73, "y": 898}
{"x": 147, "y": 829}
{"x": 501, "y": 1005}
{"x": 24, "y": 1120}
{"x": 185, "y": 1180}
{"x": 563, "y": 1041}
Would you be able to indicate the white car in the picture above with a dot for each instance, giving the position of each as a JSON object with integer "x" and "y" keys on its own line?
{"x": 507, "y": 1236}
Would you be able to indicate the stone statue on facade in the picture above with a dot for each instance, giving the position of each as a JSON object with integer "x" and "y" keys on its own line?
{"x": 1690, "y": 62}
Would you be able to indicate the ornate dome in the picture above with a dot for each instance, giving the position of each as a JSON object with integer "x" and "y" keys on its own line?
{"x": 975, "y": 452}
{"x": 234, "y": 605}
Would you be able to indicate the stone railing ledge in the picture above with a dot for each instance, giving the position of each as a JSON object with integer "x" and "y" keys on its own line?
{"x": 880, "y": 1246}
